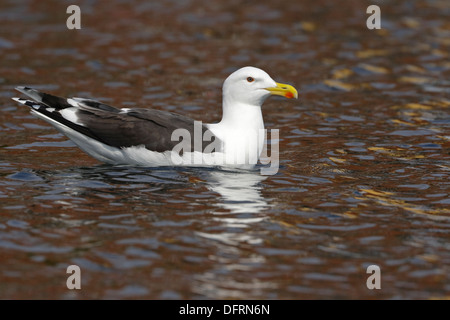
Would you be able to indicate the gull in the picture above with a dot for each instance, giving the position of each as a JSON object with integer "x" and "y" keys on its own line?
{"x": 153, "y": 138}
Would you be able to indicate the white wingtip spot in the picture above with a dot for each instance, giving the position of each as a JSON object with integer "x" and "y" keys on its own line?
{"x": 73, "y": 102}
{"x": 71, "y": 115}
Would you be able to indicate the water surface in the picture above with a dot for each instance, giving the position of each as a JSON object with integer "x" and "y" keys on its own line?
{"x": 364, "y": 153}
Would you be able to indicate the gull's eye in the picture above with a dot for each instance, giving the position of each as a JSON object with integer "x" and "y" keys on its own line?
{"x": 250, "y": 79}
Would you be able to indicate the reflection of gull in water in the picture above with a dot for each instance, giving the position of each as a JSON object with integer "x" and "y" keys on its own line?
{"x": 241, "y": 195}
{"x": 245, "y": 209}
{"x": 240, "y": 191}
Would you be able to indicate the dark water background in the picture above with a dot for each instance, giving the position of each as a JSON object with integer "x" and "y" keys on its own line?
{"x": 364, "y": 152}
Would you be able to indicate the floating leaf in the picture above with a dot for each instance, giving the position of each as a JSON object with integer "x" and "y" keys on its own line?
{"x": 350, "y": 214}
{"x": 342, "y": 73}
{"x": 417, "y": 106}
{"x": 308, "y": 26}
{"x": 336, "y": 84}
{"x": 417, "y": 69}
{"x": 411, "y": 22}
{"x": 337, "y": 160}
{"x": 415, "y": 80}
{"x": 390, "y": 152}
{"x": 371, "y": 53}
{"x": 402, "y": 122}
{"x": 416, "y": 156}
{"x": 377, "y": 193}
{"x": 374, "y": 69}
{"x": 382, "y": 32}
{"x": 412, "y": 106}
{"x": 322, "y": 114}
{"x": 412, "y": 114}
{"x": 432, "y": 258}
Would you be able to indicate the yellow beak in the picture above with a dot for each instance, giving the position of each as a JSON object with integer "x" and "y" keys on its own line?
{"x": 284, "y": 90}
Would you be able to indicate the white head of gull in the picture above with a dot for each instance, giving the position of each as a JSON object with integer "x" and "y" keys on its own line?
{"x": 242, "y": 127}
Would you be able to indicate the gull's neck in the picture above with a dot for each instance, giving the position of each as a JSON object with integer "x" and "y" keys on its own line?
{"x": 241, "y": 131}
{"x": 240, "y": 116}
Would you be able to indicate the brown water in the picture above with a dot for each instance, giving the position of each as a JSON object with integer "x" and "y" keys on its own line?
{"x": 364, "y": 152}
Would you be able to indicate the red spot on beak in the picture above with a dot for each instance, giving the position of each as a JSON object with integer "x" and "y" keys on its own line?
{"x": 289, "y": 95}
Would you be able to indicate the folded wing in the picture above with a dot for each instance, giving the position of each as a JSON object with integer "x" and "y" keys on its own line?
{"x": 115, "y": 127}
